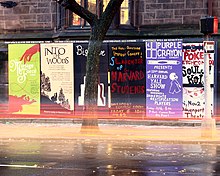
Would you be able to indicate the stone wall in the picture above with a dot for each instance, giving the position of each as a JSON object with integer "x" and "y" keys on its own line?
{"x": 32, "y": 15}
{"x": 160, "y": 12}
{"x": 28, "y": 15}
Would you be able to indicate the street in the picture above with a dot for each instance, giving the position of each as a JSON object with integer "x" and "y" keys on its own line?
{"x": 106, "y": 156}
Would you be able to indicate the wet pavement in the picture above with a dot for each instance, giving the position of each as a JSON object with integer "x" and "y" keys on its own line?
{"x": 82, "y": 157}
{"x": 64, "y": 150}
{"x": 177, "y": 134}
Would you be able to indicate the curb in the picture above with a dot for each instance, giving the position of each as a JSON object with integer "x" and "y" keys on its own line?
{"x": 180, "y": 123}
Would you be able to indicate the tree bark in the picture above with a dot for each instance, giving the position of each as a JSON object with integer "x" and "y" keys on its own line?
{"x": 99, "y": 26}
{"x": 91, "y": 84}
{"x": 92, "y": 76}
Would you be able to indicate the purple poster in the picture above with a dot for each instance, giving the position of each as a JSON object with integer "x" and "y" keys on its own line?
{"x": 164, "y": 78}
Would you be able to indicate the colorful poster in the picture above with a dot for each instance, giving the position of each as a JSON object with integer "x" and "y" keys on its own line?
{"x": 57, "y": 83}
{"x": 127, "y": 80}
{"x": 24, "y": 78}
{"x": 193, "y": 64}
{"x": 164, "y": 78}
{"x": 194, "y": 102}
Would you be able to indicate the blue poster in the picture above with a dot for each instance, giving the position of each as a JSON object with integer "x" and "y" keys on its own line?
{"x": 164, "y": 78}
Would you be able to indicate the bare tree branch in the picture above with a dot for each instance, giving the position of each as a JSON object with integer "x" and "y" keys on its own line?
{"x": 73, "y": 6}
{"x": 112, "y": 8}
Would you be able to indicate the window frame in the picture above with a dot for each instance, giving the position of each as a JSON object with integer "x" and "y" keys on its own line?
{"x": 115, "y": 23}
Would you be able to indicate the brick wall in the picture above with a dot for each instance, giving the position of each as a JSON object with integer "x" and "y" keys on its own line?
{"x": 216, "y": 8}
{"x": 28, "y": 15}
{"x": 159, "y": 12}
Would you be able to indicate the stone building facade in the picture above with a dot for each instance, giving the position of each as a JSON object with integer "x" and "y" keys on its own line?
{"x": 47, "y": 20}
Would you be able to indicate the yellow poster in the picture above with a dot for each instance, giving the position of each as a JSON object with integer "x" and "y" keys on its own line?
{"x": 24, "y": 78}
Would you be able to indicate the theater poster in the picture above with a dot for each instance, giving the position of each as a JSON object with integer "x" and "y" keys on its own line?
{"x": 193, "y": 65}
{"x": 193, "y": 80}
{"x": 80, "y": 58}
{"x": 194, "y": 103}
{"x": 164, "y": 78}
{"x": 24, "y": 78}
{"x": 57, "y": 83}
{"x": 127, "y": 80}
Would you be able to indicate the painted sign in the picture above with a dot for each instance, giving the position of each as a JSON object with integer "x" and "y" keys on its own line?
{"x": 193, "y": 78}
{"x": 24, "y": 78}
{"x": 127, "y": 79}
{"x": 80, "y": 58}
{"x": 193, "y": 64}
{"x": 57, "y": 78}
{"x": 194, "y": 102}
{"x": 164, "y": 78}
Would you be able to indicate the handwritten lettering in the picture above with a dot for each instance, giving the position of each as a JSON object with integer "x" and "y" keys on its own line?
{"x": 22, "y": 70}
{"x": 127, "y": 76}
{"x": 194, "y": 74}
{"x": 80, "y": 51}
{"x": 127, "y": 89}
{"x": 118, "y": 61}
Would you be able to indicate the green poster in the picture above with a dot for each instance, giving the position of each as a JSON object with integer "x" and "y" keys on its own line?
{"x": 24, "y": 78}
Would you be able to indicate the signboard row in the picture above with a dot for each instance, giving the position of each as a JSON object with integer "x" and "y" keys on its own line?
{"x": 152, "y": 79}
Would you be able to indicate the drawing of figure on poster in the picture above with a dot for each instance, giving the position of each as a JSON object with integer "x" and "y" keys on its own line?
{"x": 174, "y": 84}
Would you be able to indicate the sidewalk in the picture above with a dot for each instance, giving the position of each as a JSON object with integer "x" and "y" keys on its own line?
{"x": 174, "y": 134}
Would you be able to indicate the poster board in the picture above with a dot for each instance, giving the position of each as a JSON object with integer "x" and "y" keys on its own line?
{"x": 127, "y": 79}
{"x": 164, "y": 78}
{"x": 194, "y": 103}
{"x": 80, "y": 59}
{"x": 57, "y": 81}
{"x": 24, "y": 78}
{"x": 193, "y": 80}
{"x": 193, "y": 64}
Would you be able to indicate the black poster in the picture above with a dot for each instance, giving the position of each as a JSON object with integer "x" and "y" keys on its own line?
{"x": 80, "y": 57}
{"x": 127, "y": 74}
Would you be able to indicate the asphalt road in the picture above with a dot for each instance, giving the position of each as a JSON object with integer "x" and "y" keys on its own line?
{"x": 106, "y": 157}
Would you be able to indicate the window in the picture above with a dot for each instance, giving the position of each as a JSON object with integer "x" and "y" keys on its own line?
{"x": 76, "y": 20}
{"x": 91, "y": 5}
{"x": 124, "y": 13}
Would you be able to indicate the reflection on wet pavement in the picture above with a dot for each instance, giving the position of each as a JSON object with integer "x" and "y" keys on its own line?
{"x": 106, "y": 157}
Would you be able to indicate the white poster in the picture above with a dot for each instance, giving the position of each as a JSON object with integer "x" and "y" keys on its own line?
{"x": 57, "y": 75}
{"x": 193, "y": 64}
{"x": 194, "y": 102}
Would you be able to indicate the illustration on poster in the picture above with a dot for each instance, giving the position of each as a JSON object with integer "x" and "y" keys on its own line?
{"x": 174, "y": 84}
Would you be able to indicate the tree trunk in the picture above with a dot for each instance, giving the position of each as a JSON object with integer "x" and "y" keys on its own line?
{"x": 90, "y": 118}
{"x": 100, "y": 24}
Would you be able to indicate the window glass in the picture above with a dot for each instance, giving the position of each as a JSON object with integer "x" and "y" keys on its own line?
{"x": 91, "y": 5}
{"x": 3, "y": 76}
{"x": 105, "y": 3}
{"x": 76, "y": 19}
{"x": 124, "y": 13}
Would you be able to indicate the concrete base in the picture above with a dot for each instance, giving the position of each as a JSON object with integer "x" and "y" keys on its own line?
{"x": 208, "y": 128}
